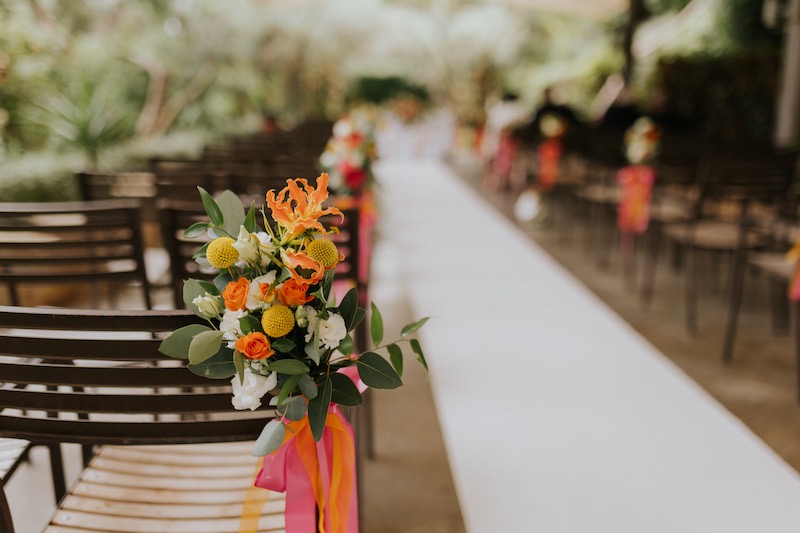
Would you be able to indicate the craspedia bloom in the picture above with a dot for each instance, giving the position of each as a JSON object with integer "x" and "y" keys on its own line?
{"x": 324, "y": 251}
{"x": 277, "y": 321}
{"x": 221, "y": 253}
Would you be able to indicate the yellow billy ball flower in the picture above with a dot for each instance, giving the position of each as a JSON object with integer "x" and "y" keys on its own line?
{"x": 277, "y": 321}
{"x": 221, "y": 253}
{"x": 323, "y": 251}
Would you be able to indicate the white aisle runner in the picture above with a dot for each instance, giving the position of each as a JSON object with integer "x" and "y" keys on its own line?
{"x": 557, "y": 416}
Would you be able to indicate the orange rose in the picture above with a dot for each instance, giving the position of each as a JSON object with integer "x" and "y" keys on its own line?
{"x": 293, "y": 293}
{"x": 235, "y": 294}
{"x": 264, "y": 294}
{"x": 254, "y": 346}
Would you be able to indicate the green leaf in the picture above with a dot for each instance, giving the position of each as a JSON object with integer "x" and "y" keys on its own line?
{"x": 201, "y": 252}
{"x": 191, "y": 290}
{"x": 293, "y": 408}
{"x": 212, "y": 209}
{"x": 232, "y": 212}
{"x": 291, "y": 367}
{"x": 345, "y": 391}
{"x": 376, "y": 372}
{"x": 177, "y": 344}
{"x": 318, "y": 409}
{"x": 346, "y": 345}
{"x": 414, "y": 326}
{"x": 222, "y": 280}
{"x": 376, "y": 326}
{"x": 283, "y": 345}
{"x": 360, "y": 314}
{"x": 312, "y": 349}
{"x": 396, "y": 357}
{"x": 219, "y": 366}
{"x": 210, "y": 288}
{"x": 287, "y": 388}
{"x": 195, "y": 230}
{"x": 250, "y": 219}
{"x": 204, "y": 345}
{"x": 270, "y": 439}
{"x": 308, "y": 387}
{"x": 238, "y": 363}
{"x": 418, "y": 350}
{"x": 348, "y": 308}
{"x": 249, "y": 324}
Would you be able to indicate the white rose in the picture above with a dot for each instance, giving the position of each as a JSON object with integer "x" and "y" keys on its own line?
{"x": 230, "y": 326}
{"x": 208, "y": 305}
{"x": 248, "y": 247}
{"x": 331, "y": 331}
{"x": 254, "y": 300}
{"x": 248, "y": 394}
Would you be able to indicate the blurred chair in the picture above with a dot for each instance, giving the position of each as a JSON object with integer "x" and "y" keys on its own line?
{"x": 72, "y": 242}
{"x": 739, "y": 198}
{"x": 12, "y": 453}
{"x": 172, "y": 454}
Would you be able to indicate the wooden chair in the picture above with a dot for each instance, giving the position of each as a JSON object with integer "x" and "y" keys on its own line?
{"x": 72, "y": 242}
{"x": 173, "y": 455}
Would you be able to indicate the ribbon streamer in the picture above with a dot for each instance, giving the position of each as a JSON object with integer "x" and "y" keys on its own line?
{"x": 319, "y": 478}
{"x": 549, "y": 154}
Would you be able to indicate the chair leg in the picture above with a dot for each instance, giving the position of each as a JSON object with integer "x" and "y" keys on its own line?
{"x": 794, "y": 318}
{"x": 691, "y": 274}
{"x": 57, "y": 472}
{"x": 736, "y": 290}
{"x": 6, "y": 522}
{"x": 651, "y": 263}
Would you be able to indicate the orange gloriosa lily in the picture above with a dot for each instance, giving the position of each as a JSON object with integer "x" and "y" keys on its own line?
{"x": 311, "y": 271}
{"x": 298, "y": 206}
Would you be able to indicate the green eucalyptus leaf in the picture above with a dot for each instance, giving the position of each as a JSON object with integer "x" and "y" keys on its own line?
{"x": 238, "y": 363}
{"x": 396, "y": 357}
{"x": 191, "y": 290}
{"x": 291, "y": 367}
{"x": 312, "y": 350}
{"x": 418, "y": 350}
{"x": 204, "y": 345}
{"x": 222, "y": 280}
{"x": 282, "y": 345}
{"x": 212, "y": 209}
{"x": 232, "y": 212}
{"x": 219, "y": 366}
{"x": 308, "y": 387}
{"x": 196, "y": 230}
{"x": 345, "y": 391}
{"x": 414, "y": 326}
{"x": 177, "y": 344}
{"x": 376, "y": 326}
{"x": 201, "y": 252}
{"x": 249, "y": 324}
{"x": 250, "y": 218}
{"x": 318, "y": 408}
{"x": 287, "y": 388}
{"x": 346, "y": 345}
{"x": 376, "y": 372}
{"x": 209, "y": 287}
{"x": 348, "y": 308}
{"x": 270, "y": 439}
{"x": 293, "y": 408}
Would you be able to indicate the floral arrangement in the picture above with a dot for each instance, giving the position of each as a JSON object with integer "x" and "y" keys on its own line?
{"x": 349, "y": 154}
{"x": 642, "y": 141}
{"x": 274, "y": 325}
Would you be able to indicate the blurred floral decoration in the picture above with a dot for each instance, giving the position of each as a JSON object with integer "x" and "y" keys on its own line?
{"x": 642, "y": 141}
{"x": 351, "y": 152}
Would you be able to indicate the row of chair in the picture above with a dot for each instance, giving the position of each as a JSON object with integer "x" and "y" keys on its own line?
{"x": 740, "y": 208}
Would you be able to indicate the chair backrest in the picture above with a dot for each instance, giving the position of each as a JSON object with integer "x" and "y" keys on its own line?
{"x": 103, "y": 376}
{"x": 112, "y": 185}
{"x": 68, "y": 242}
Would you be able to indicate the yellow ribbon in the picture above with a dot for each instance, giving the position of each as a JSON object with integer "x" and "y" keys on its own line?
{"x": 254, "y": 502}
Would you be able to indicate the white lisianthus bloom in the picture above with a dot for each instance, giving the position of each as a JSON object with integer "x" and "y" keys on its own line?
{"x": 265, "y": 245}
{"x": 328, "y": 158}
{"x": 311, "y": 320}
{"x": 331, "y": 331}
{"x": 208, "y": 305}
{"x": 229, "y": 324}
{"x": 257, "y": 291}
{"x": 248, "y": 247}
{"x": 248, "y": 394}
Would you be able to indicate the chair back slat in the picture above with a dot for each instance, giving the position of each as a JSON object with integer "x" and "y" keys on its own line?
{"x": 101, "y": 372}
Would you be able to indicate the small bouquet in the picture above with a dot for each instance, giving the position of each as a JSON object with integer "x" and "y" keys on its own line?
{"x": 642, "y": 141}
{"x": 349, "y": 155}
{"x": 274, "y": 325}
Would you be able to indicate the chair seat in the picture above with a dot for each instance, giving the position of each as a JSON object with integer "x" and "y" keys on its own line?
{"x": 774, "y": 264}
{"x": 170, "y": 488}
{"x": 600, "y": 193}
{"x": 712, "y": 235}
